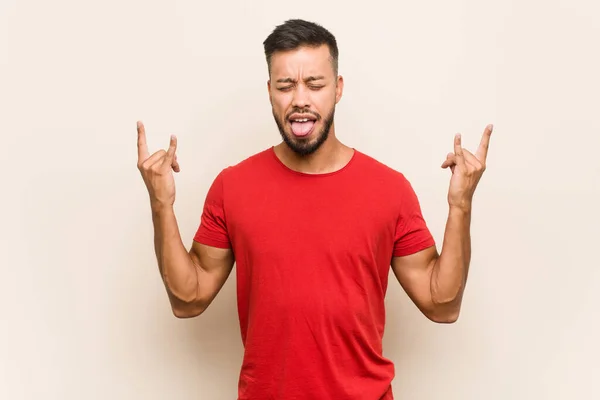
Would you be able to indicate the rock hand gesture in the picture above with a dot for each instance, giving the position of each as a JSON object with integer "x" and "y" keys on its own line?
{"x": 156, "y": 170}
{"x": 467, "y": 169}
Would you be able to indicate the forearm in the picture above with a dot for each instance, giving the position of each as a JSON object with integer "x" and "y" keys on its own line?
{"x": 177, "y": 270}
{"x": 450, "y": 270}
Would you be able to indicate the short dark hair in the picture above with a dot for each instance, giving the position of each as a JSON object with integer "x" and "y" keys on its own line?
{"x": 295, "y": 33}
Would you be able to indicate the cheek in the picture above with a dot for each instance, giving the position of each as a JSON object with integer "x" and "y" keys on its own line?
{"x": 325, "y": 101}
{"x": 281, "y": 104}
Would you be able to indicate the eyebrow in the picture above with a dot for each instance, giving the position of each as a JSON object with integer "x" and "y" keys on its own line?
{"x": 308, "y": 79}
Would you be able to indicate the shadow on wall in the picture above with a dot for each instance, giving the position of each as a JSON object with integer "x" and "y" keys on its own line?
{"x": 419, "y": 347}
{"x": 152, "y": 351}
{"x": 404, "y": 337}
{"x": 206, "y": 349}
{"x": 214, "y": 340}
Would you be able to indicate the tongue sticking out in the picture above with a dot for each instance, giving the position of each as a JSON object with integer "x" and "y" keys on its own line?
{"x": 302, "y": 128}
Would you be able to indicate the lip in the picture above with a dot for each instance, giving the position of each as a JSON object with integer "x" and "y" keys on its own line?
{"x": 310, "y": 117}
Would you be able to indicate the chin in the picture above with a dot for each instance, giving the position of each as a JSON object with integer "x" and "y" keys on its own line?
{"x": 305, "y": 145}
{"x": 308, "y": 141}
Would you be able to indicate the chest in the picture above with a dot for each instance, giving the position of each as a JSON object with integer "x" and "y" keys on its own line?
{"x": 312, "y": 220}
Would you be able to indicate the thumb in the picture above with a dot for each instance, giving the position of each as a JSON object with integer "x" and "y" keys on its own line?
{"x": 450, "y": 161}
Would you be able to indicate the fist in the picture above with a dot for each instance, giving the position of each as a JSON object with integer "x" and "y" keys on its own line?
{"x": 157, "y": 170}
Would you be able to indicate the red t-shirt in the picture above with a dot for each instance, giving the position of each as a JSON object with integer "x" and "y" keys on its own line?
{"x": 313, "y": 256}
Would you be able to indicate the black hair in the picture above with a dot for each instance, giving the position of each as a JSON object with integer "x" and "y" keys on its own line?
{"x": 295, "y": 33}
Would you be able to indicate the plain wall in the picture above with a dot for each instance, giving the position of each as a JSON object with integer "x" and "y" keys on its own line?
{"x": 84, "y": 314}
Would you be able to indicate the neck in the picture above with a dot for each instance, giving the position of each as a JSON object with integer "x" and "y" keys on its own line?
{"x": 330, "y": 157}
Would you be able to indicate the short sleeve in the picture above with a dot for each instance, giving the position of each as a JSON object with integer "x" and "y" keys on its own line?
{"x": 412, "y": 234}
{"x": 212, "y": 230}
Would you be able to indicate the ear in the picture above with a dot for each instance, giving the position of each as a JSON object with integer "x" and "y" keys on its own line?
{"x": 339, "y": 88}
{"x": 269, "y": 90}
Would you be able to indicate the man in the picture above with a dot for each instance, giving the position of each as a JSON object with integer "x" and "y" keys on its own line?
{"x": 313, "y": 227}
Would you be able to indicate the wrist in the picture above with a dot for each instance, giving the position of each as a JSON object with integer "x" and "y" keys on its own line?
{"x": 159, "y": 209}
{"x": 462, "y": 210}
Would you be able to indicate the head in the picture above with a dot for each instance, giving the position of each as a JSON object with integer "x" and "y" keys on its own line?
{"x": 304, "y": 85}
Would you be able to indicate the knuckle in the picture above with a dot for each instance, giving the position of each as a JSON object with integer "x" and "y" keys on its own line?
{"x": 145, "y": 165}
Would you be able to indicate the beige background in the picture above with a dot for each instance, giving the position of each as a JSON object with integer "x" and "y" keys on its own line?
{"x": 83, "y": 311}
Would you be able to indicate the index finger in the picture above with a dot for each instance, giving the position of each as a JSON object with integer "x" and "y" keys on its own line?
{"x": 141, "y": 142}
{"x": 482, "y": 150}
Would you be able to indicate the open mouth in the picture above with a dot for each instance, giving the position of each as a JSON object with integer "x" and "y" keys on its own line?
{"x": 302, "y": 124}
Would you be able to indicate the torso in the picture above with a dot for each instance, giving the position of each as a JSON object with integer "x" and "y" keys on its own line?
{"x": 312, "y": 262}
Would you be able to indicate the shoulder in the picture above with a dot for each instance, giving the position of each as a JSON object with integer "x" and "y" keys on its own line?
{"x": 248, "y": 166}
{"x": 393, "y": 185}
{"x": 381, "y": 172}
{"x": 236, "y": 179}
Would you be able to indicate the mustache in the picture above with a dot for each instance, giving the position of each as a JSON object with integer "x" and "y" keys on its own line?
{"x": 296, "y": 110}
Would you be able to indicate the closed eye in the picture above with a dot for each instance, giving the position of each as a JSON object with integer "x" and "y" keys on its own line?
{"x": 312, "y": 87}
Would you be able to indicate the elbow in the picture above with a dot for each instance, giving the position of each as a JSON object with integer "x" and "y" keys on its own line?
{"x": 184, "y": 304}
{"x": 445, "y": 309}
{"x": 444, "y": 318}
{"x": 187, "y": 308}
{"x": 186, "y": 312}
{"x": 445, "y": 313}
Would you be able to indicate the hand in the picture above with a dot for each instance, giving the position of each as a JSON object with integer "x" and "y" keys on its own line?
{"x": 467, "y": 169}
{"x": 156, "y": 170}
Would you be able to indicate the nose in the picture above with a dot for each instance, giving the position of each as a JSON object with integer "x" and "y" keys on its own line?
{"x": 301, "y": 97}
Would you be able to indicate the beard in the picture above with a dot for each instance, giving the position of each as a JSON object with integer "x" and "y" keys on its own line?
{"x": 301, "y": 146}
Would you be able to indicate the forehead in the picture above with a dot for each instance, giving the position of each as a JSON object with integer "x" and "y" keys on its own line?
{"x": 302, "y": 61}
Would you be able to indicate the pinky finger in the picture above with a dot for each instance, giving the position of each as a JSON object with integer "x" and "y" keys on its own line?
{"x": 458, "y": 150}
{"x": 175, "y": 164}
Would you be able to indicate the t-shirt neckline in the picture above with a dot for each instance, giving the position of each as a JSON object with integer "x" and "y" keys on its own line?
{"x": 316, "y": 175}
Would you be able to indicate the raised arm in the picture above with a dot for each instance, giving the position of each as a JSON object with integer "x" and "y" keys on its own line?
{"x": 192, "y": 278}
{"x": 436, "y": 282}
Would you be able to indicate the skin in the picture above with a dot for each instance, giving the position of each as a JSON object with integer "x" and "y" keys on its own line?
{"x": 436, "y": 282}
{"x": 305, "y": 79}
{"x": 192, "y": 278}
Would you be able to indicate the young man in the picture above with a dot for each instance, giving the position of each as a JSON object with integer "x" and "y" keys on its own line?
{"x": 313, "y": 227}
